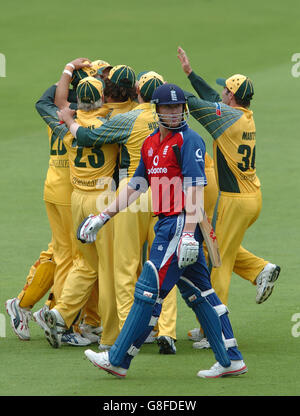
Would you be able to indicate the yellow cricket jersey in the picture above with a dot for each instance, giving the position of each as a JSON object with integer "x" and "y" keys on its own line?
{"x": 234, "y": 133}
{"x": 89, "y": 166}
{"x": 109, "y": 110}
{"x": 209, "y": 163}
{"x": 129, "y": 130}
{"x": 234, "y": 153}
{"x": 57, "y": 188}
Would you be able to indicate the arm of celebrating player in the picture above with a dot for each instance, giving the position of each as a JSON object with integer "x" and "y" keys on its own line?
{"x": 205, "y": 91}
{"x": 214, "y": 117}
{"x": 116, "y": 130}
{"x": 62, "y": 92}
{"x": 47, "y": 109}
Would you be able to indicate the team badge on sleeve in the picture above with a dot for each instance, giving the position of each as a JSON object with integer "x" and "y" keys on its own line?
{"x": 218, "y": 109}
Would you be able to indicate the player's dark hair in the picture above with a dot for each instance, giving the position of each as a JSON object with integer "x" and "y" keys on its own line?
{"x": 119, "y": 93}
{"x": 243, "y": 102}
{"x": 147, "y": 100}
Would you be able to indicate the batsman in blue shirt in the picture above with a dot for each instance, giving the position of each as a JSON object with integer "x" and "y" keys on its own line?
{"x": 172, "y": 164}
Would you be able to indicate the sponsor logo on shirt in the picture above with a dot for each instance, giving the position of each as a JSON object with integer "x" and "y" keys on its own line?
{"x": 153, "y": 170}
{"x": 199, "y": 155}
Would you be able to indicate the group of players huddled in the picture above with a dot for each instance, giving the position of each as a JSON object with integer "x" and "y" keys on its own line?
{"x": 91, "y": 286}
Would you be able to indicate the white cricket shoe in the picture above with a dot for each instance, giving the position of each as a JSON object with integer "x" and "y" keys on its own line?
{"x": 19, "y": 318}
{"x": 265, "y": 282}
{"x": 195, "y": 334}
{"x": 55, "y": 327}
{"x": 217, "y": 370}
{"x": 90, "y": 332}
{"x": 166, "y": 345}
{"x": 152, "y": 337}
{"x": 74, "y": 338}
{"x": 201, "y": 345}
{"x": 39, "y": 317}
{"x": 101, "y": 360}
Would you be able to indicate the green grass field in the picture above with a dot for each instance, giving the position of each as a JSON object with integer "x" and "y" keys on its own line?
{"x": 221, "y": 38}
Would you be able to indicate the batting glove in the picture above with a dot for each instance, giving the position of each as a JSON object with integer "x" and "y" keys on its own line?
{"x": 187, "y": 250}
{"x": 88, "y": 229}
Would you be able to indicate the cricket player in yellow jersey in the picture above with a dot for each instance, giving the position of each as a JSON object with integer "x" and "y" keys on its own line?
{"x": 91, "y": 171}
{"x": 129, "y": 130}
{"x": 57, "y": 191}
{"x": 232, "y": 127}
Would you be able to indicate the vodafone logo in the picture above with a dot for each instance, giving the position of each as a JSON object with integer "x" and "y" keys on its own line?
{"x": 155, "y": 160}
{"x": 199, "y": 155}
{"x": 156, "y": 170}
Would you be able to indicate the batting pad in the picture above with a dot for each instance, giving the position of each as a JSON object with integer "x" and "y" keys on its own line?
{"x": 137, "y": 321}
{"x": 207, "y": 317}
{"x": 41, "y": 283}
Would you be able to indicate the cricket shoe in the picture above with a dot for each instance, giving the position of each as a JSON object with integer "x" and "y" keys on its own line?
{"x": 101, "y": 360}
{"x": 104, "y": 347}
{"x": 39, "y": 317}
{"x": 55, "y": 327}
{"x": 201, "y": 345}
{"x": 265, "y": 282}
{"x": 90, "y": 332}
{"x": 19, "y": 318}
{"x": 166, "y": 345}
{"x": 195, "y": 334}
{"x": 74, "y": 338}
{"x": 236, "y": 368}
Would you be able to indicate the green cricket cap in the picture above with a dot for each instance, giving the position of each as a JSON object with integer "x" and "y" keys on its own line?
{"x": 89, "y": 90}
{"x": 240, "y": 85}
{"x": 122, "y": 75}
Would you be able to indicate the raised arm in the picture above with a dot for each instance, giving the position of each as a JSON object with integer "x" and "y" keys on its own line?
{"x": 62, "y": 92}
{"x": 205, "y": 91}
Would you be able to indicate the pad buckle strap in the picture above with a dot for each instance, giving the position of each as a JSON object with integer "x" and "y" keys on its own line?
{"x": 133, "y": 351}
{"x": 221, "y": 309}
{"x": 153, "y": 321}
{"x": 229, "y": 343}
{"x": 207, "y": 292}
{"x": 159, "y": 301}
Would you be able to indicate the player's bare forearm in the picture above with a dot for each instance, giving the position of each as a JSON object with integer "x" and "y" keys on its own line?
{"x": 126, "y": 196}
{"x": 194, "y": 207}
{"x": 62, "y": 91}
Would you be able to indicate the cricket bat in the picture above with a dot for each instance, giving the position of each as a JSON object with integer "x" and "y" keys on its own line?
{"x": 211, "y": 241}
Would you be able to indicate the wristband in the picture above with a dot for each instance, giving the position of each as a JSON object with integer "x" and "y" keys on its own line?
{"x": 70, "y": 64}
{"x": 104, "y": 216}
{"x": 66, "y": 71}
